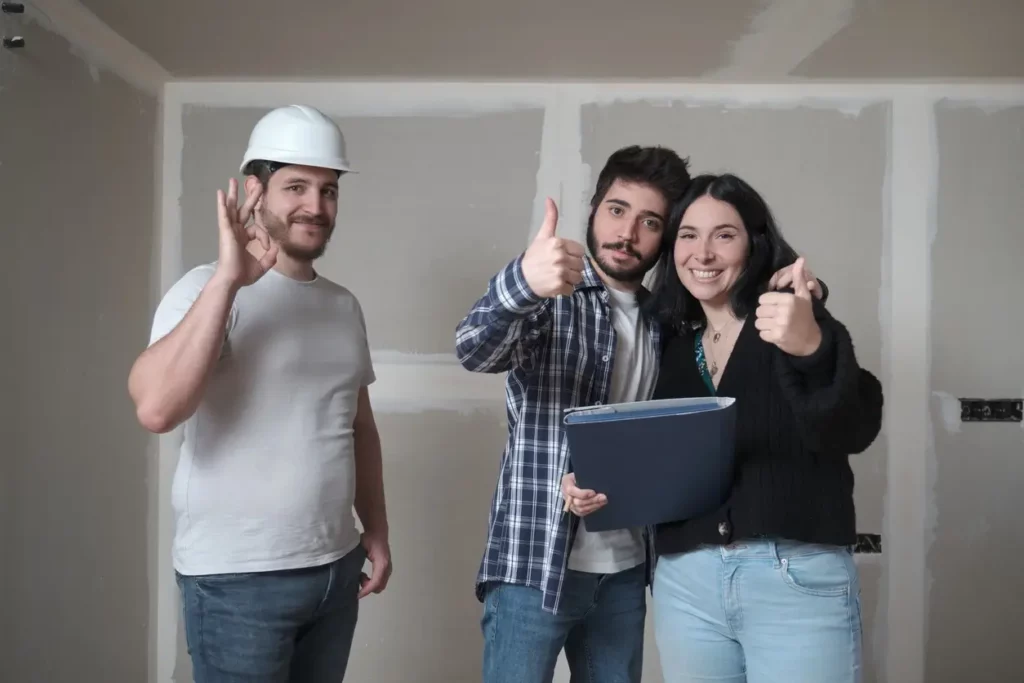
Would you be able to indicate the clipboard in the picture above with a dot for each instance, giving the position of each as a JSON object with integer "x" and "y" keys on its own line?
{"x": 658, "y": 461}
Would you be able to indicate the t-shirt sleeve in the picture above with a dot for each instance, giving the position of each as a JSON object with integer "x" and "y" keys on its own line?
{"x": 178, "y": 300}
{"x": 369, "y": 375}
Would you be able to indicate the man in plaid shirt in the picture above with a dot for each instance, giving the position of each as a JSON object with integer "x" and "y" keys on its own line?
{"x": 567, "y": 328}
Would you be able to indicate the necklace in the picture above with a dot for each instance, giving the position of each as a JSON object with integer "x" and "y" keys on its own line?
{"x": 715, "y": 336}
{"x": 718, "y": 333}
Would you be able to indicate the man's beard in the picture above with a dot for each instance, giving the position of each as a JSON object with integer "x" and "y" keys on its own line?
{"x": 630, "y": 275}
{"x": 278, "y": 230}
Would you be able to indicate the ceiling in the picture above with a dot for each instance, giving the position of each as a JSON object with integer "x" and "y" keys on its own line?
{"x": 575, "y": 39}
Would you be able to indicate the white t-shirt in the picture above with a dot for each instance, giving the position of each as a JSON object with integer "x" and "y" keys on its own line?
{"x": 266, "y": 476}
{"x": 633, "y": 376}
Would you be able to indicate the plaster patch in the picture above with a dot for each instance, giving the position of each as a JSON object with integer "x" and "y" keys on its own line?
{"x": 949, "y": 409}
{"x": 783, "y": 34}
{"x": 98, "y": 45}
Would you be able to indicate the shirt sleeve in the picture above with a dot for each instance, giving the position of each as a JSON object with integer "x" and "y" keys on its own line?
{"x": 369, "y": 375}
{"x": 179, "y": 299}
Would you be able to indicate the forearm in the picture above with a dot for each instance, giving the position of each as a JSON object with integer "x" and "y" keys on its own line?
{"x": 168, "y": 379}
{"x": 369, "y": 503}
{"x": 495, "y": 334}
{"x": 837, "y": 404}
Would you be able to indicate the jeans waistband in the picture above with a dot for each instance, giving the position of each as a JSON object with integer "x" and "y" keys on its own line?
{"x": 774, "y": 549}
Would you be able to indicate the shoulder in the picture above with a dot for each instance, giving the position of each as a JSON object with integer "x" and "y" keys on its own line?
{"x": 183, "y": 293}
{"x": 344, "y": 298}
{"x": 193, "y": 280}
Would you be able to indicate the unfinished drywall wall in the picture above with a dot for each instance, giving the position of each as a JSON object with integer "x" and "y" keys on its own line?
{"x": 438, "y": 205}
{"x": 77, "y": 161}
{"x": 977, "y": 587}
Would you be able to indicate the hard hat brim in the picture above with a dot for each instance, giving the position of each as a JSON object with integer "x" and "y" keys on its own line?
{"x": 282, "y": 157}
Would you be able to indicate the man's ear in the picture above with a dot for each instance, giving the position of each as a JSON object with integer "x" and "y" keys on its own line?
{"x": 252, "y": 183}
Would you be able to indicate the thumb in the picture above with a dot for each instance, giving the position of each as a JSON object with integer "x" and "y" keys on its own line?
{"x": 800, "y": 288}
{"x": 547, "y": 228}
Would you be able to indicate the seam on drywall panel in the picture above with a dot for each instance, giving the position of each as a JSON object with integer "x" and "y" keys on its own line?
{"x": 166, "y": 619}
{"x": 907, "y": 404}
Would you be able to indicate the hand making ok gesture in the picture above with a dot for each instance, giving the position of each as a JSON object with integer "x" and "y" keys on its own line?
{"x": 235, "y": 262}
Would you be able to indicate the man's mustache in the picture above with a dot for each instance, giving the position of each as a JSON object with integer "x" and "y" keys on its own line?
{"x": 310, "y": 220}
{"x": 623, "y": 246}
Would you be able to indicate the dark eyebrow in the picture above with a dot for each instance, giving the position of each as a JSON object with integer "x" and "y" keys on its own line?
{"x": 299, "y": 180}
{"x": 717, "y": 227}
{"x": 626, "y": 205}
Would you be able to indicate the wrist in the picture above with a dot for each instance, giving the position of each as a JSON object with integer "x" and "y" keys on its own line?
{"x": 813, "y": 343}
{"x": 222, "y": 282}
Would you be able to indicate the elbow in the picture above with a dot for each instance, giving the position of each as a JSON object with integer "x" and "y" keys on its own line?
{"x": 154, "y": 420}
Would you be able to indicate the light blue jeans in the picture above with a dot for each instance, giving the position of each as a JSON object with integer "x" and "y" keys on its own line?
{"x": 759, "y": 612}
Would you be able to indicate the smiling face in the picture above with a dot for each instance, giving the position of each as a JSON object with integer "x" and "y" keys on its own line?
{"x": 711, "y": 249}
{"x": 298, "y": 210}
{"x": 625, "y": 232}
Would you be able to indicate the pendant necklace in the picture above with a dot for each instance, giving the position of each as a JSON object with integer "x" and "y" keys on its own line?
{"x": 715, "y": 336}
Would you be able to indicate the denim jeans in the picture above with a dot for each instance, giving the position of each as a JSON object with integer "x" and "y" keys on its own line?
{"x": 759, "y": 612}
{"x": 600, "y": 623}
{"x": 291, "y": 626}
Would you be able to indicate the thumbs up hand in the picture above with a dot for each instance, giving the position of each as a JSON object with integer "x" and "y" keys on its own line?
{"x": 787, "y": 320}
{"x": 553, "y": 266}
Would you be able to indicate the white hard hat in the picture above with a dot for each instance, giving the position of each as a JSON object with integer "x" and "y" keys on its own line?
{"x": 298, "y": 134}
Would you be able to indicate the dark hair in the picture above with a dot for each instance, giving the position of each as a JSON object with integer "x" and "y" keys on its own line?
{"x": 767, "y": 252}
{"x": 263, "y": 169}
{"x": 659, "y": 167}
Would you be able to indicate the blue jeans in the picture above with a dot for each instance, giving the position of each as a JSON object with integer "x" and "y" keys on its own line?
{"x": 759, "y": 612}
{"x": 600, "y": 623}
{"x": 291, "y": 626}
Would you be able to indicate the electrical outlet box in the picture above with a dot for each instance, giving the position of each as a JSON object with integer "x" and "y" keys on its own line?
{"x": 991, "y": 409}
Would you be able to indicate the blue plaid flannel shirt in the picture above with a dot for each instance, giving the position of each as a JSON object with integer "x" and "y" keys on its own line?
{"x": 558, "y": 354}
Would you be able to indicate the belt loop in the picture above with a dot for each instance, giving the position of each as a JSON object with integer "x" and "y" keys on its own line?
{"x": 774, "y": 546}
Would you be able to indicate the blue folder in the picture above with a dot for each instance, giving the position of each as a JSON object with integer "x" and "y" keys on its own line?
{"x": 657, "y": 461}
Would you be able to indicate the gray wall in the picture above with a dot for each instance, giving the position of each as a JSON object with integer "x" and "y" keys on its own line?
{"x": 977, "y": 593}
{"x": 739, "y": 40}
{"x": 77, "y": 161}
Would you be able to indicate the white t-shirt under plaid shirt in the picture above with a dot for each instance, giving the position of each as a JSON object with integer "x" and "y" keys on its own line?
{"x": 634, "y": 372}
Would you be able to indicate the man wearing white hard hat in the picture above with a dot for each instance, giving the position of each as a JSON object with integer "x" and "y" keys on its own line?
{"x": 266, "y": 363}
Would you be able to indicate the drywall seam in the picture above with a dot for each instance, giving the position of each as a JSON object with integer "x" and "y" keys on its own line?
{"x": 907, "y": 520}
{"x": 370, "y": 99}
{"x": 558, "y": 176}
{"x": 165, "y": 619}
{"x": 464, "y": 98}
{"x": 881, "y": 627}
{"x": 576, "y": 178}
{"x": 550, "y": 172}
{"x": 773, "y": 46}
{"x": 100, "y": 45}
{"x": 414, "y": 383}
{"x": 153, "y": 459}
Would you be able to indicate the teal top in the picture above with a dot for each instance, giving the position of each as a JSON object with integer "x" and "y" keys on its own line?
{"x": 702, "y": 362}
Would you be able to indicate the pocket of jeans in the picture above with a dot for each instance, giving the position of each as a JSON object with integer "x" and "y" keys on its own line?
{"x": 825, "y": 575}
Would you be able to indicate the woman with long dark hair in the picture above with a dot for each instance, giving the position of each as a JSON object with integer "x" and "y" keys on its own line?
{"x": 764, "y": 588}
